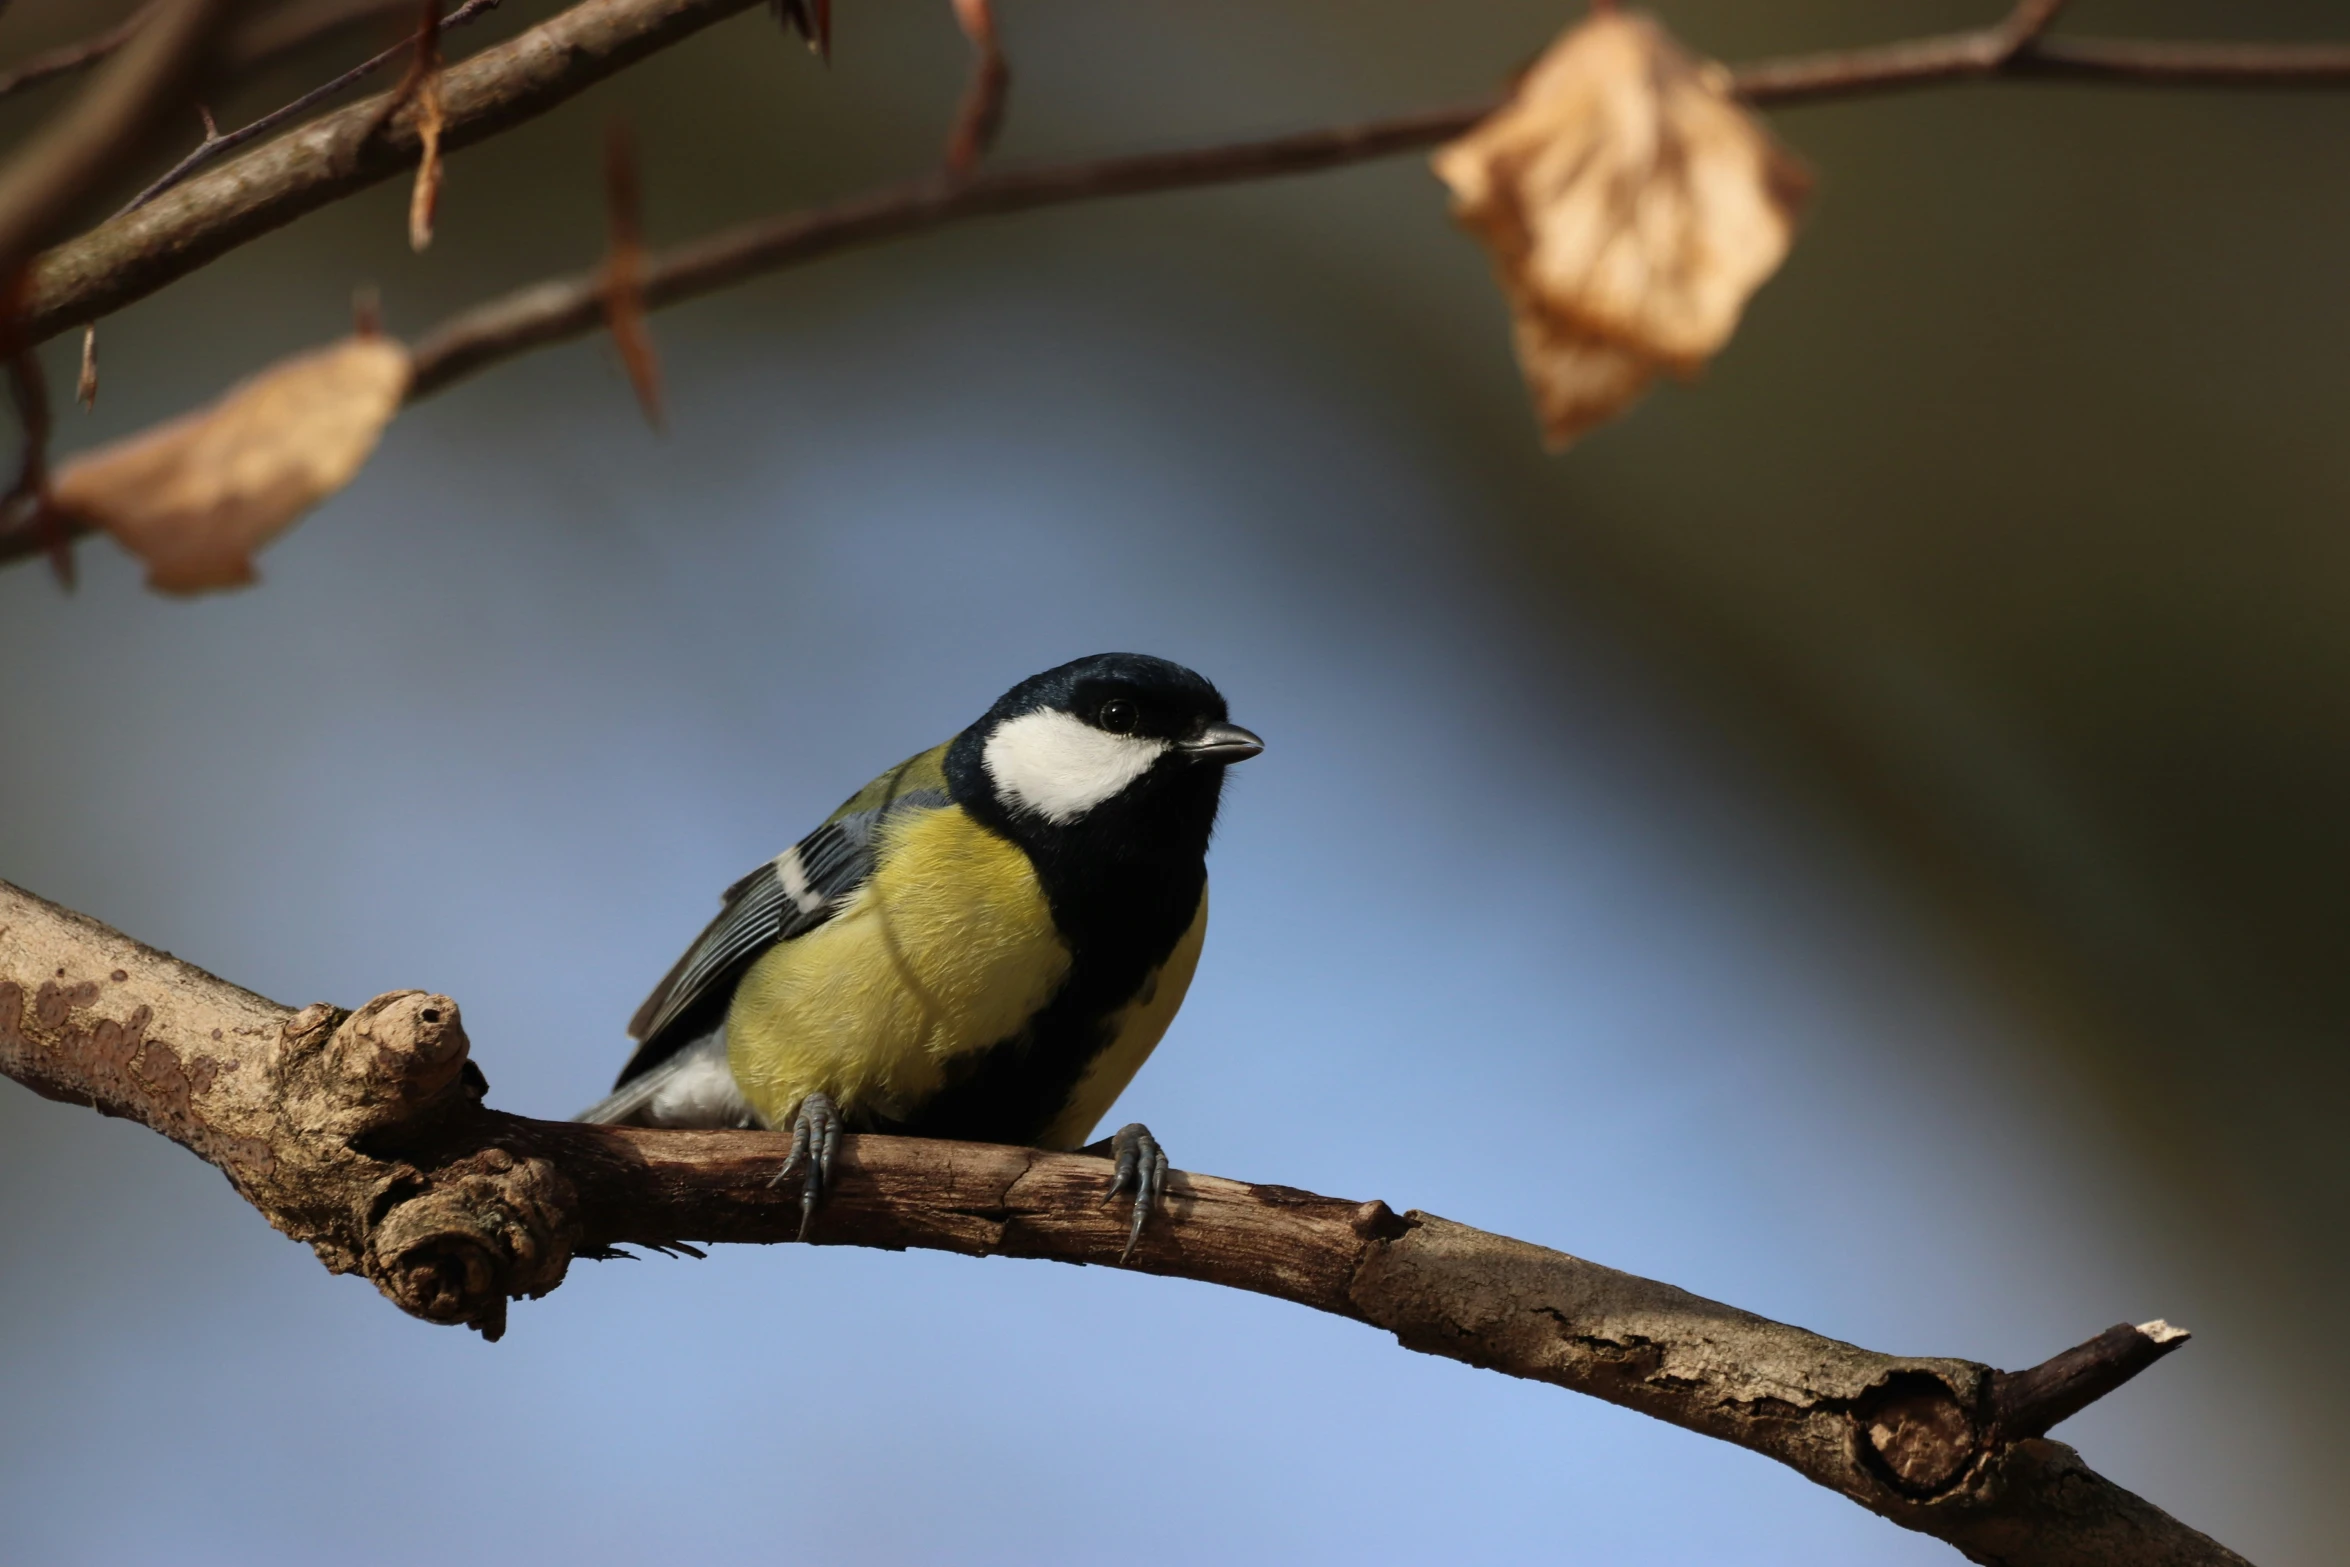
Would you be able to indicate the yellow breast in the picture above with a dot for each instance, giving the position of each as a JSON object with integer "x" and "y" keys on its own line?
{"x": 947, "y": 950}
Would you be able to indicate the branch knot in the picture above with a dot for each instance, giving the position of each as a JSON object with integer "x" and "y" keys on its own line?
{"x": 491, "y": 1227}
{"x": 346, "y": 1074}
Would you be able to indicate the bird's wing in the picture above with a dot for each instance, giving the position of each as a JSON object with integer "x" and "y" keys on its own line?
{"x": 788, "y": 896}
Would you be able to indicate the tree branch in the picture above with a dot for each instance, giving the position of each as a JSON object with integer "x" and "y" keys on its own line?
{"x": 217, "y": 145}
{"x": 363, "y": 1134}
{"x": 131, "y": 256}
{"x": 560, "y": 308}
{"x": 42, "y": 188}
{"x": 282, "y": 32}
{"x": 79, "y": 55}
{"x": 136, "y": 254}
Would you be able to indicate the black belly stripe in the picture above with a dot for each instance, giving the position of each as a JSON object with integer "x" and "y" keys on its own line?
{"x": 1014, "y": 1090}
{"x": 1124, "y": 883}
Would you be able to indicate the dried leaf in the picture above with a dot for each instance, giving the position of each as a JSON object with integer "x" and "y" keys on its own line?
{"x": 424, "y": 84}
{"x": 624, "y": 273}
{"x": 1631, "y": 206}
{"x": 195, "y": 497}
{"x": 1578, "y": 379}
{"x": 425, "y": 200}
{"x": 981, "y": 114}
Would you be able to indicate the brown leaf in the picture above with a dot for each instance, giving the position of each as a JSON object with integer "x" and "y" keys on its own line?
{"x": 195, "y": 497}
{"x": 624, "y": 272}
{"x": 1631, "y": 206}
{"x": 425, "y": 200}
{"x": 981, "y": 114}
{"x": 423, "y": 85}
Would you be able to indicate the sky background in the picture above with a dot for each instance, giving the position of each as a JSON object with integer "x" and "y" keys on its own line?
{"x": 1855, "y": 841}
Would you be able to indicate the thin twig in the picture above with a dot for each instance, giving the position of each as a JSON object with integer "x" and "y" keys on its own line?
{"x": 347, "y": 150}
{"x": 213, "y": 148}
{"x": 79, "y": 55}
{"x": 1995, "y": 51}
{"x": 283, "y": 32}
{"x": 552, "y": 311}
{"x": 40, "y": 190}
{"x": 45, "y": 185}
{"x": 102, "y": 271}
{"x": 298, "y": 26}
{"x": 26, "y": 504}
{"x": 2153, "y": 62}
{"x": 118, "y": 263}
{"x": 2024, "y": 25}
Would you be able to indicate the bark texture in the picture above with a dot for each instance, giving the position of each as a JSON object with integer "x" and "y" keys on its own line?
{"x": 364, "y": 1135}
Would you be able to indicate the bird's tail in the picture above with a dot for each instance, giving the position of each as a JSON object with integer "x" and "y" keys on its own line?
{"x": 694, "y": 1087}
{"x": 625, "y": 1104}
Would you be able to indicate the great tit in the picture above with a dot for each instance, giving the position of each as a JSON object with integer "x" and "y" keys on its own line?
{"x": 985, "y": 942}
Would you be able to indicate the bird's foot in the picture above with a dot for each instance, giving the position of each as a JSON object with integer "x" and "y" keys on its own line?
{"x": 815, "y": 1138}
{"x": 1142, "y": 1170}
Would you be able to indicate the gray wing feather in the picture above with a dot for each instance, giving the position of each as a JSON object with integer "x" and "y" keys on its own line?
{"x": 789, "y": 896}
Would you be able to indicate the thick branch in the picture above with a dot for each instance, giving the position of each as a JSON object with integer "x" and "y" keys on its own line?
{"x": 363, "y": 1134}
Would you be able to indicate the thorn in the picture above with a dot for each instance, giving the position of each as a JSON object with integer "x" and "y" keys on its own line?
{"x": 85, "y": 388}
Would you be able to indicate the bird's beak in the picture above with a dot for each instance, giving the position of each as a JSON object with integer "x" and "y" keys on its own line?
{"x": 1222, "y": 744}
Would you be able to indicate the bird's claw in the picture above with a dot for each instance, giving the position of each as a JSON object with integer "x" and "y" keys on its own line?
{"x": 815, "y": 1139}
{"x": 1141, "y": 1169}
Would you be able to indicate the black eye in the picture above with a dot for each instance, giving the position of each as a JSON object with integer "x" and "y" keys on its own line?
{"x": 1118, "y": 716}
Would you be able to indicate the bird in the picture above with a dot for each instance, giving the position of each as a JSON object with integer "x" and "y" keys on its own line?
{"x": 985, "y": 942}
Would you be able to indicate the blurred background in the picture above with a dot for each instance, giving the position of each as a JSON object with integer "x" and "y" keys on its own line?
{"x": 1861, "y": 838}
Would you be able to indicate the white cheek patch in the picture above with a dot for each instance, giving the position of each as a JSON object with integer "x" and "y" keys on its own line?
{"x": 1059, "y": 766}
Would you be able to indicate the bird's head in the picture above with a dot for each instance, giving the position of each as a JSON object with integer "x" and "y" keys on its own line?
{"x": 1118, "y": 739}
